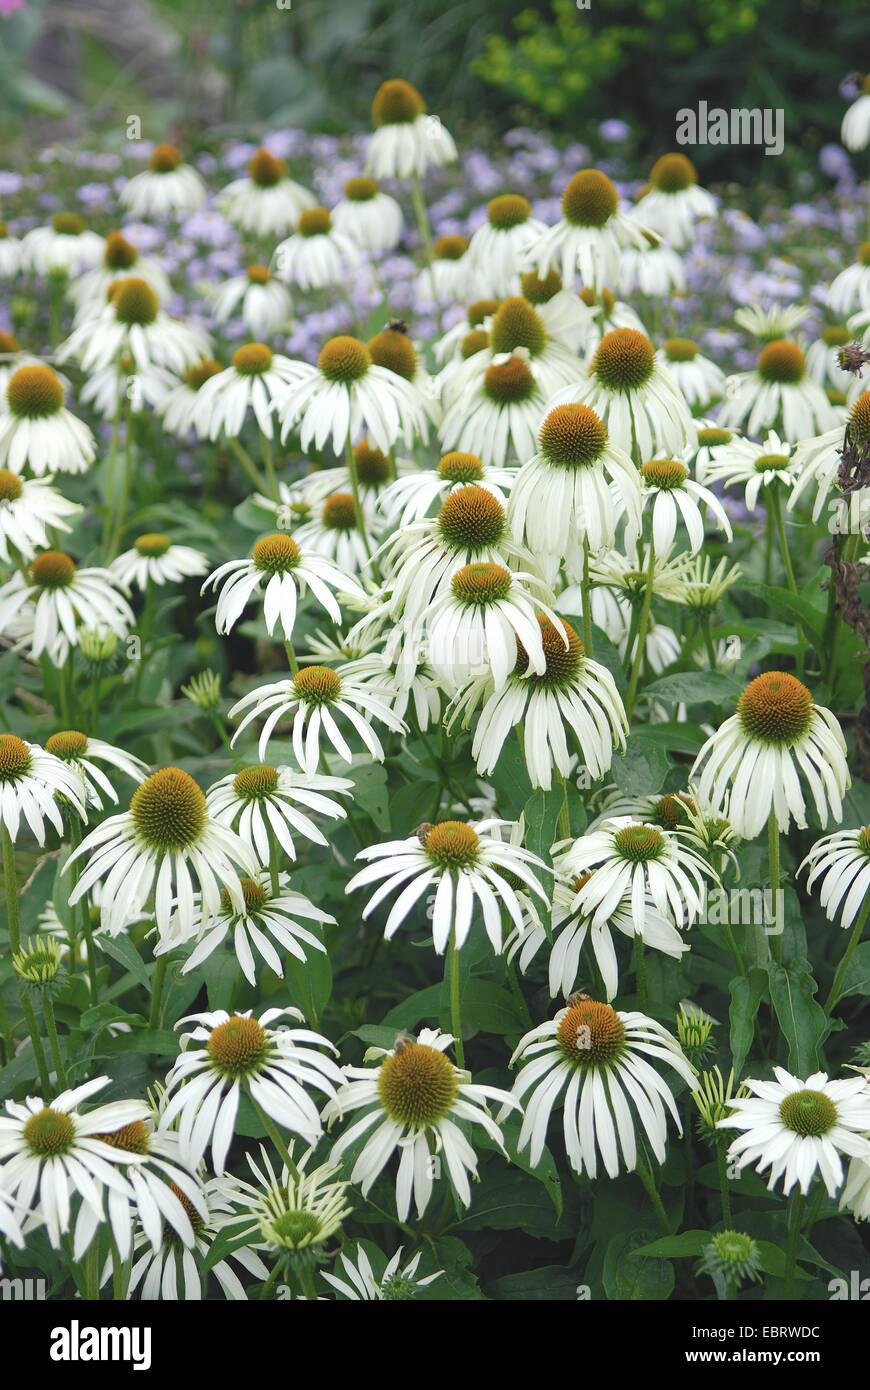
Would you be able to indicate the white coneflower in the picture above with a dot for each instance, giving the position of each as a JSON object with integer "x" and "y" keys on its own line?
{"x": 396, "y": 1283}
{"x": 51, "y": 1152}
{"x": 635, "y": 395}
{"x": 645, "y": 865}
{"x": 369, "y": 217}
{"x": 672, "y": 495}
{"x": 753, "y": 466}
{"x": 346, "y": 396}
{"x": 466, "y": 865}
{"x": 133, "y": 324}
{"x": 572, "y": 927}
{"x": 331, "y": 530}
{"x": 674, "y": 202}
{"x": 769, "y": 325}
{"x": 65, "y": 246}
{"x": 409, "y": 498}
{"x": 550, "y": 334}
{"x": 450, "y": 273}
{"x": 606, "y": 313}
{"x": 120, "y": 259}
{"x": 167, "y": 188}
{"x": 699, "y": 379}
{"x": 255, "y": 380}
{"x": 816, "y": 462}
{"x": 777, "y": 734}
{"x": 83, "y": 754}
{"x": 295, "y": 1214}
{"x": 164, "y": 1190}
{"x": 31, "y": 780}
{"x": 450, "y": 346}
{"x": 703, "y": 586}
{"x": 266, "y": 202}
{"x": 473, "y": 627}
{"x": 855, "y": 128}
{"x": 574, "y": 489}
{"x": 36, "y": 429}
{"x": 10, "y": 253}
{"x": 54, "y": 599}
{"x": 655, "y": 270}
{"x": 597, "y": 1060}
{"x": 225, "y": 1055}
{"x": 800, "y": 1128}
{"x": 497, "y": 250}
{"x": 406, "y": 142}
{"x": 315, "y": 697}
{"x": 590, "y": 235}
{"x": 316, "y": 255}
{"x": 779, "y": 393}
{"x": 259, "y": 802}
{"x": 156, "y": 559}
{"x": 110, "y": 389}
{"x": 279, "y": 572}
{"x": 164, "y": 843}
{"x": 393, "y": 349}
{"x": 269, "y": 919}
{"x": 177, "y": 407}
{"x": 713, "y": 444}
{"x": 574, "y": 697}
{"x": 173, "y": 1272}
{"x": 411, "y": 1103}
{"x": 840, "y": 863}
{"x": 628, "y": 575}
{"x": 28, "y": 508}
{"x": 263, "y": 302}
{"x": 496, "y": 412}
{"x": 421, "y": 560}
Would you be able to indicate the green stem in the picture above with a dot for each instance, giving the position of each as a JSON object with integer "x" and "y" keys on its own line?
{"x": 774, "y": 870}
{"x": 92, "y": 1270}
{"x": 708, "y": 641}
{"x": 271, "y": 1280}
{"x": 775, "y": 510}
{"x": 564, "y": 811}
{"x": 291, "y": 658}
{"x": 269, "y": 465}
{"x": 794, "y": 1230}
{"x": 722, "y": 1166}
{"x": 643, "y": 628}
{"x": 248, "y": 464}
{"x": 126, "y": 482}
{"x": 75, "y": 839}
{"x": 10, "y": 889}
{"x": 455, "y": 1001}
{"x": 111, "y": 462}
{"x": 354, "y": 487}
{"x": 644, "y": 1172}
{"x": 426, "y": 237}
{"x": 851, "y": 948}
{"x": 274, "y": 1134}
{"x": 587, "y": 601}
{"x": 53, "y": 1041}
{"x": 157, "y": 983}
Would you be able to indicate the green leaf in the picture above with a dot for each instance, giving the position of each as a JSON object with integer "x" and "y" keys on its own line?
{"x": 549, "y": 1284}
{"x": 695, "y": 688}
{"x": 784, "y": 604}
{"x": 121, "y": 949}
{"x": 675, "y": 1247}
{"x": 487, "y": 1008}
{"x": 747, "y": 992}
{"x": 631, "y": 1277}
{"x": 541, "y": 815}
{"x": 857, "y": 977}
{"x": 801, "y": 1018}
{"x": 642, "y": 768}
{"x": 370, "y": 792}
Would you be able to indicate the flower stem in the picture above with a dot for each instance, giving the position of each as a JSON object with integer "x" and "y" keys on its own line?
{"x": 455, "y": 1002}
{"x": 291, "y": 658}
{"x": 10, "y": 889}
{"x": 795, "y": 1219}
{"x": 587, "y": 601}
{"x": 644, "y": 1172}
{"x": 426, "y": 237}
{"x": 851, "y": 948}
{"x": 248, "y": 464}
{"x": 53, "y": 1041}
{"x": 774, "y": 870}
{"x": 272, "y": 1130}
{"x": 722, "y": 1165}
{"x": 75, "y": 839}
{"x": 157, "y": 982}
{"x": 354, "y": 487}
{"x": 643, "y": 628}
{"x": 774, "y": 506}
{"x": 269, "y": 465}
